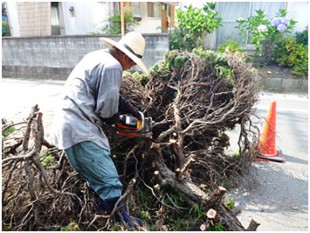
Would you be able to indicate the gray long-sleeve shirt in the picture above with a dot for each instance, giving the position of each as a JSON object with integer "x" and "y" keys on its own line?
{"x": 91, "y": 93}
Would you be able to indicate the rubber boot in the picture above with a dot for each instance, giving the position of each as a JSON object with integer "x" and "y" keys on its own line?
{"x": 120, "y": 215}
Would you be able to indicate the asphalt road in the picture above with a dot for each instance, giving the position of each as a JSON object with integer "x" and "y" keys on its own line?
{"x": 19, "y": 96}
{"x": 277, "y": 197}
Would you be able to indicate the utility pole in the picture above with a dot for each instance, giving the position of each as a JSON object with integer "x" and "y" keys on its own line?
{"x": 122, "y": 19}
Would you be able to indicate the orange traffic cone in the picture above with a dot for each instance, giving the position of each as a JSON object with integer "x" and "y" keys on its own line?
{"x": 267, "y": 141}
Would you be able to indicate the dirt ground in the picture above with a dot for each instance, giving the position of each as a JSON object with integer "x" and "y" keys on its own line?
{"x": 275, "y": 71}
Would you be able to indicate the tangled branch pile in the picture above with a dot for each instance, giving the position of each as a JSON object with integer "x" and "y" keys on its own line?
{"x": 177, "y": 170}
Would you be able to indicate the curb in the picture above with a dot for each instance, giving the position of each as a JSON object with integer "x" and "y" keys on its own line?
{"x": 284, "y": 85}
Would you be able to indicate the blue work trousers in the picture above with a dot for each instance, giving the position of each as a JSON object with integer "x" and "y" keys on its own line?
{"x": 96, "y": 166}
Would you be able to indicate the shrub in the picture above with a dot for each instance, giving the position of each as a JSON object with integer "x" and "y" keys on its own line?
{"x": 290, "y": 53}
{"x": 302, "y": 37}
{"x": 193, "y": 26}
{"x": 5, "y": 29}
{"x": 265, "y": 33}
{"x": 177, "y": 41}
{"x": 230, "y": 45}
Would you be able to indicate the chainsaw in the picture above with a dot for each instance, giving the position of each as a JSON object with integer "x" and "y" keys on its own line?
{"x": 130, "y": 126}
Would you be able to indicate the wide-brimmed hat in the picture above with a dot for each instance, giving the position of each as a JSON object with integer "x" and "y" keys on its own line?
{"x": 133, "y": 45}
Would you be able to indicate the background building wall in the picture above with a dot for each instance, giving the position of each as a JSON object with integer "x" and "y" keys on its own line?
{"x": 299, "y": 12}
{"x": 148, "y": 24}
{"x": 88, "y": 17}
{"x": 34, "y": 18}
{"x": 54, "y": 57}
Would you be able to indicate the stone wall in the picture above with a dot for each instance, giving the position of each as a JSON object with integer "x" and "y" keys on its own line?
{"x": 54, "y": 57}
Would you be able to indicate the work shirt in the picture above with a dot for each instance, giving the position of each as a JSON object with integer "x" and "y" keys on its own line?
{"x": 90, "y": 94}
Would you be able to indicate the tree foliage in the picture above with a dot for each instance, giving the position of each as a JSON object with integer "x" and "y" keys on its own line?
{"x": 193, "y": 24}
{"x": 302, "y": 37}
{"x": 113, "y": 24}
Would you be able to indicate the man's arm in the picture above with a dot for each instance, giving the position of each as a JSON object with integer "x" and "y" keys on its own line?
{"x": 127, "y": 107}
{"x": 108, "y": 93}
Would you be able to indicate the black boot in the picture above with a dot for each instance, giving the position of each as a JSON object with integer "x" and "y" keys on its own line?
{"x": 120, "y": 215}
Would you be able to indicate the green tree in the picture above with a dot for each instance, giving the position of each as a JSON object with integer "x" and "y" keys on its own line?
{"x": 113, "y": 24}
{"x": 193, "y": 25}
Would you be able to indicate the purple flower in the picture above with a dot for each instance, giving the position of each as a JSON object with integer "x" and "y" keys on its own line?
{"x": 275, "y": 22}
{"x": 284, "y": 21}
{"x": 281, "y": 27}
{"x": 262, "y": 28}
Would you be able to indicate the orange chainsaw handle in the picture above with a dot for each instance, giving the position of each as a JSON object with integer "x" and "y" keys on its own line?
{"x": 131, "y": 131}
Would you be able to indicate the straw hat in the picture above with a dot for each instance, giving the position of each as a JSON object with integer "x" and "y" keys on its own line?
{"x": 133, "y": 45}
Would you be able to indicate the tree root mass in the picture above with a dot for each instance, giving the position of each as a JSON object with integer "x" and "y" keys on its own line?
{"x": 194, "y": 99}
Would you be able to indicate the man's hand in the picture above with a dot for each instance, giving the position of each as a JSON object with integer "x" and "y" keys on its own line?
{"x": 135, "y": 112}
{"x": 126, "y": 107}
{"x": 112, "y": 120}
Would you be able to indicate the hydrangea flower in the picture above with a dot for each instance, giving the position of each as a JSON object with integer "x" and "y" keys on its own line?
{"x": 284, "y": 21}
{"x": 275, "y": 22}
{"x": 281, "y": 27}
{"x": 262, "y": 28}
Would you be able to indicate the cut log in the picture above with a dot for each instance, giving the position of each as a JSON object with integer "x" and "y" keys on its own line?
{"x": 212, "y": 214}
{"x": 253, "y": 225}
{"x": 193, "y": 194}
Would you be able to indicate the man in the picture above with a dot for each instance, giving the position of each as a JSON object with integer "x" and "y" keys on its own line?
{"x": 91, "y": 97}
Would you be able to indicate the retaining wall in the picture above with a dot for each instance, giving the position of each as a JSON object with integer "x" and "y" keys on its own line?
{"x": 54, "y": 57}
{"x": 284, "y": 85}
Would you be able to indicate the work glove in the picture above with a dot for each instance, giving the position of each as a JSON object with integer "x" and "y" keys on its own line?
{"x": 112, "y": 120}
{"x": 126, "y": 107}
{"x": 135, "y": 112}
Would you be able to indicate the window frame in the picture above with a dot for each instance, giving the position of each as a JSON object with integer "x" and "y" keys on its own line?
{"x": 152, "y": 15}
{"x": 139, "y": 15}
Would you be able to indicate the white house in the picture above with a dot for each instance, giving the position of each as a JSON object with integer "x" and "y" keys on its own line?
{"x": 84, "y": 17}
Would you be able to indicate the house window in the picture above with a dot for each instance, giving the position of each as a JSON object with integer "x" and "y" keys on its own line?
{"x": 136, "y": 9}
{"x": 55, "y": 19}
{"x": 231, "y": 11}
{"x": 169, "y": 10}
{"x": 153, "y": 10}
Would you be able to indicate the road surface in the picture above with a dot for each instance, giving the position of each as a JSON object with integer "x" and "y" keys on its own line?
{"x": 278, "y": 198}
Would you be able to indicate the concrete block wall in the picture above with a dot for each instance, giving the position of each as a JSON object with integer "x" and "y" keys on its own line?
{"x": 54, "y": 57}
